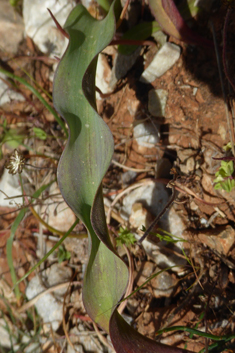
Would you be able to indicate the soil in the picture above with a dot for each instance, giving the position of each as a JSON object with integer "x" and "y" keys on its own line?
{"x": 193, "y": 133}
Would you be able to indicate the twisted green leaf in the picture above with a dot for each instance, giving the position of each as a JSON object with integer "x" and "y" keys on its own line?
{"x": 82, "y": 167}
{"x": 87, "y": 156}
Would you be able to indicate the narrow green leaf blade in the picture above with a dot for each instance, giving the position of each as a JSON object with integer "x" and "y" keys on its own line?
{"x": 83, "y": 164}
{"x": 90, "y": 146}
{"x": 87, "y": 156}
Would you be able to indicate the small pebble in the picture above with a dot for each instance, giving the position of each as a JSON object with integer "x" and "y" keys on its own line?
{"x": 157, "y": 102}
{"x": 41, "y": 28}
{"x": 49, "y": 307}
{"x": 147, "y": 134}
{"x": 6, "y": 94}
{"x": 220, "y": 239}
{"x": 122, "y": 64}
{"x": 165, "y": 58}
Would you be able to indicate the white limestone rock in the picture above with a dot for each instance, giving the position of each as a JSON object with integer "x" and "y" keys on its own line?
{"x": 147, "y": 134}
{"x": 154, "y": 197}
{"x": 41, "y": 28}
{"x": 165, "y": 58}
{"x": 56, "y": 212}
{"x": 103, "y": 75}
{"x": 10, "y": 187}
{"x": 50, "y": 305}
{"x": 122, "y": 64}
{"x": 7, "y": 94}
{"x": 157, "y": 99}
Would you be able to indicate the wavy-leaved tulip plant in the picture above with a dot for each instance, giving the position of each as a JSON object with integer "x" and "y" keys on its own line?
{"x": 82, "y": 167}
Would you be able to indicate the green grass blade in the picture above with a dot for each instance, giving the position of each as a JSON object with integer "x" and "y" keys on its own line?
{"x": 196, "y": 332}
{"x": 39, "y": 96}
{"x": 49, "y": 253}
{"x": 9, "y": 245}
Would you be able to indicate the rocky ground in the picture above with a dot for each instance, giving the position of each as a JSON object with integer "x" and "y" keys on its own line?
{"x": 177, "y": 120}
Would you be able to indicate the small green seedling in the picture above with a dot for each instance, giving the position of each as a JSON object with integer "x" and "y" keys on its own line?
{"x": 13, "y": 137}
{"x": 63, "y": 254}
{"x": 224, "y": 177}
{"x": 14, "y": 3}
{"x": 168, "y": 237}
{"x": 39, "y": 133}
{"x": 125, "y": 237}
{"x": 164, "y": 235}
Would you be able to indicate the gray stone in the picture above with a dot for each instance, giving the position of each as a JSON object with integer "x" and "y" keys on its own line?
{"x": 9, "y": 184}
{"x": 8, "y": 333}
{"x": 56, "y": 212}
{"x": 128, "y": 177}
{"x": 11, "y": 28}
{"x": 147, "y": 134}
{"x": 157, "y": 102}
{"x": 220, "y": 239}
{"x": 49, "y": 307}
{"x": 41, "y": 28}
{"x": 103, "y": 75}
{"x": 140, "y": 216}
{"x": 83, "y": 341}
{"x": 162, "y": 285}
{"x": 154, "y": 196}
{"x": 7, "y": 94}
{"x": 165, "y": 58}
{"x": 122, "y": 64}
{"x": 59, "y": 274}
{"x": 160, "y": 37}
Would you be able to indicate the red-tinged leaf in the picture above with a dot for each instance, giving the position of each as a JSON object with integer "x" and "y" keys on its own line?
{"x": 126, "y": 340}
{"x": 140, "y": 32}
{"x": 87, "y": 156}
{"x": 171, "y": 21}
{"x": 82, "y": 167}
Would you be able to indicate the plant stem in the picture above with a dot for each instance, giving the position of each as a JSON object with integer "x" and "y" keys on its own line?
{"x": 153, "y": 224}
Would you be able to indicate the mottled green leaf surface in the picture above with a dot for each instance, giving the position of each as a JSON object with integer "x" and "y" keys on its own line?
{"x": 87, "y": 156}
{"x": 84, "y": 162}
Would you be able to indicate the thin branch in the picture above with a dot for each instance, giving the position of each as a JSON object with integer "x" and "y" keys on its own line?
{"x": 124, "y": 10}
{"x": 229, "y": 120}
{"x": 172, "y": 198}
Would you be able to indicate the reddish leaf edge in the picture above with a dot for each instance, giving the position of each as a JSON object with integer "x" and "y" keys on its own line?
{"x": 127, "y": 340}
{"x": 185, "y": 33}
